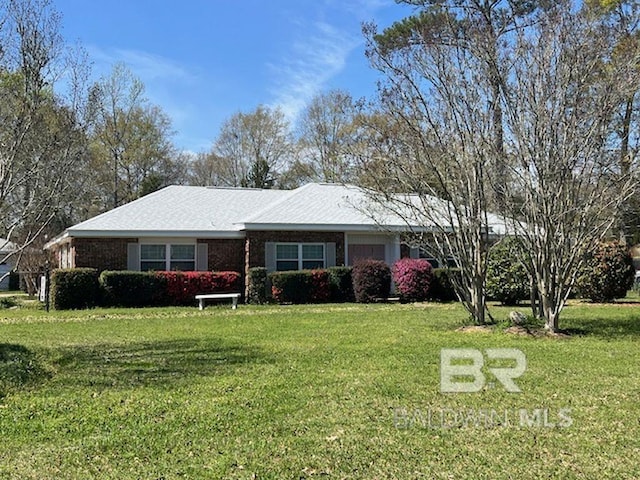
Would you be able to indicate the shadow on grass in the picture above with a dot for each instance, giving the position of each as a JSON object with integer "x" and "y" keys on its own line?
{"x": 628, "y": 326}
{"x": 161, "y": 363}
{"x": 19, "y": 367}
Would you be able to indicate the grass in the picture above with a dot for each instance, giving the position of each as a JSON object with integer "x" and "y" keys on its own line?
{"x": 334, "y": 391}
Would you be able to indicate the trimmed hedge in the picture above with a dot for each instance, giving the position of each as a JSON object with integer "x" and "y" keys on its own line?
{"x": 182, "y": 287}
{"x": 371, "y": 280}
{"x": 74, "y": 288}
{"x": 442, "y": 288}
{"x": 257, "y": 286}
{"x": 412, "y": 277}
{"x": 607, "y": 274}
{"x": 81, "y": 288}
{"x": 132, "y": 289}
{"x": 300, "y": 286}
{"x": 341, "y": 284}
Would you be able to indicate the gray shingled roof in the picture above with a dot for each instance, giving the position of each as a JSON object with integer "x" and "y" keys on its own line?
{"x": 321, "y": 205}
{"x": 180, "y": 210}
{"x": 207, "y": 212}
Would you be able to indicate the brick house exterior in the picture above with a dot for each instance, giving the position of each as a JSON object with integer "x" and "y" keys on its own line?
{"x": 235, "y": 229}
{"x": 100, "y": 253}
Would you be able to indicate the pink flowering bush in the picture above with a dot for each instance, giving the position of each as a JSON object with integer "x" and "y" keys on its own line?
{"x": 412, "y": 277}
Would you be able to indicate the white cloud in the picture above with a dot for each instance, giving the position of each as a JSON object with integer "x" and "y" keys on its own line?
{"x": 312, "y": 62}
{"x": 320, "y": 52}
{"x": 147, "y": 66}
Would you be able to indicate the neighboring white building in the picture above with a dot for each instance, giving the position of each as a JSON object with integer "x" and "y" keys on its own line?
{"x": 6, "y": 248}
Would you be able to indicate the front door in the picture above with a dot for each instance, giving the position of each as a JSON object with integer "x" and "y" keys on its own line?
{"x": 359, "y": 252}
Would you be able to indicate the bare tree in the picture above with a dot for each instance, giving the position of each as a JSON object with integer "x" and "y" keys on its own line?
{"x": 439, "y": 142}
{"x": 326, "y": 128}
{"x": 209, "y": 169}
{"x": 42, "y": 138}
{"x": 560, "y": 182}
{"x": 566, "y": 182}
{"x": 131, "y": 140}
{"x": 621, "y": 20}
{"x": 256, "y": 145}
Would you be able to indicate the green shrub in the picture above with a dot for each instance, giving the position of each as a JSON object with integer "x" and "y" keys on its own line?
{"x": 607, "y": 273}
{"x": 507, "y": 277}
{"x": 341, "y": 284}
{"x": 371, "y": 280}
{"x": 74, "y": 288}
{"x": 14, "y": 281}
{"x": 412, "y": 277}
{"x": 300, "y": 286}
{"x": 291, "y": 287}
{"x": 132, "y": 289}
{"x": 442, "y": 288}
{"x": 257, "y": 286}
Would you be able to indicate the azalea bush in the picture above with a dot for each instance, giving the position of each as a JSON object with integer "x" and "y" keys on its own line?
{"x": 412, "y": 278}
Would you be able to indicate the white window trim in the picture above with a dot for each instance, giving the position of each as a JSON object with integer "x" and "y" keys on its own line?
{"x": 300, "y": 259}
{"x": 167, "y": 254}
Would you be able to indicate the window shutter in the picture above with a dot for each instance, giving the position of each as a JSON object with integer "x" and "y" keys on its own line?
{"x": 202, "y": 257}
{"x": 330, "y": 254}
{"x": 270, "y": 256}
{"x": 133, "y": 257}
{"x": 414, "y": 252}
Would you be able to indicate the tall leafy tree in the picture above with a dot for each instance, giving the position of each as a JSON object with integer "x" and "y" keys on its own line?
{"x": 481, "y": 28}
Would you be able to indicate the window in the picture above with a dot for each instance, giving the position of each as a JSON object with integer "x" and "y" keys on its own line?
{"x": 299, "y": 256}
{"x": 167, "y": 257}
{"x": 183, "y": 257}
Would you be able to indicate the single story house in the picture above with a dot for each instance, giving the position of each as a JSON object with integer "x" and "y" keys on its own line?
{"x": 211, "y": 228}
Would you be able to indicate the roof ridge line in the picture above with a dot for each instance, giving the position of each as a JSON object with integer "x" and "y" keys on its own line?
{"x": 276, "y": 203}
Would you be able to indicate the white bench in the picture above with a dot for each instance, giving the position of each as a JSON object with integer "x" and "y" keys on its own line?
{"x": 215, "y": 296}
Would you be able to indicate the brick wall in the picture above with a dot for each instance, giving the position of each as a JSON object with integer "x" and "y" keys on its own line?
{"x": 225, "y": 254}
{"x": 101, "y": 253}
{"x": 255, "y": 243}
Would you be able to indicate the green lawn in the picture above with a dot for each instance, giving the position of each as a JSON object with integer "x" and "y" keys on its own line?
{"x": 334, "y": 391}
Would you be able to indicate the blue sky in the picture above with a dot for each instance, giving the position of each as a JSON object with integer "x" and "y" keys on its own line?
{"x": 204, "y": 60}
